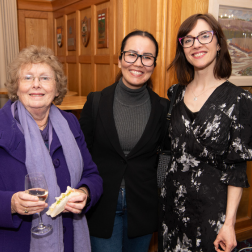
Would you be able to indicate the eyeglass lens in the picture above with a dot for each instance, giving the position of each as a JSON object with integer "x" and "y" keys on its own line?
{"x": 31, "y": 78}
{"x": 203, "y": 38}
{"x": 131, "y": 57}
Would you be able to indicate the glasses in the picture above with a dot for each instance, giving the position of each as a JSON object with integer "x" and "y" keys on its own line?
{"x": 203, "y": 38}
{"x": 41, "y": 79}
{"x": 131, "y": 57}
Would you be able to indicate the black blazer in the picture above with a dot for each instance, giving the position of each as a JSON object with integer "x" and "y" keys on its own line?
{"x": 139, "y": 168}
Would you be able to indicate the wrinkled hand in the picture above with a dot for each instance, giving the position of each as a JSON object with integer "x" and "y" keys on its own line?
{"x": 26, "y": 204}
{"x": 78, "y": 202}
{"x": 226, "y": 239}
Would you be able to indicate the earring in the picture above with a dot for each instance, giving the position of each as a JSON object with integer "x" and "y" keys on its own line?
{"x": 218, "y": 53}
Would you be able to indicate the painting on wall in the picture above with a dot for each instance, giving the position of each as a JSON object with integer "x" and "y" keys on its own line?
{"x": 237, "y": 27}
{"x": 236, "y": 22}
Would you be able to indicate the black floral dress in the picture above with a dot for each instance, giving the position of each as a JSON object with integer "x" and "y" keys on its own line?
{"x": 209, "y": 152}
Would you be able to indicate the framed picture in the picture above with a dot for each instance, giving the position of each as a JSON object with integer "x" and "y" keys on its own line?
{"x": 235, "y": 18}
{"x": 102, "y": 26}
{"x": 71, "y": 35}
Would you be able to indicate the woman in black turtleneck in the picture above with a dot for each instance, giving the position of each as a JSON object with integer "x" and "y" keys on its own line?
{"x": 124, "y": 144}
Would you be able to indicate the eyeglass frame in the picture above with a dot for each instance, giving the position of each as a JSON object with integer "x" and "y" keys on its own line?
{"x": 138, "y": 55}
{"x": 197, "y": 37}
{"x": 34, "y": 77}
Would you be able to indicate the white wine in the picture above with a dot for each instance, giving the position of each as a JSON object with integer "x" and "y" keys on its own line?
{"x": 42, "y": 194}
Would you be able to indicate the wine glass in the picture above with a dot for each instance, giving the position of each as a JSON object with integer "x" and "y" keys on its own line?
{"x": 35, "y": 184}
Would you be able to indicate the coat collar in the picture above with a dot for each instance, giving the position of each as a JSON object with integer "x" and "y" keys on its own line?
{"x": 107, "y": 118}
{"x": 12, "y": 139}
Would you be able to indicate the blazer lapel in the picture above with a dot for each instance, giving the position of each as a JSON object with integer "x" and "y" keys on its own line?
{"x": 106, "y": 114}
{"x": 154, "y": 120}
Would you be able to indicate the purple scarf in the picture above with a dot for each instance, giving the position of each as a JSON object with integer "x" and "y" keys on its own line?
{"x": 38, "y": 159}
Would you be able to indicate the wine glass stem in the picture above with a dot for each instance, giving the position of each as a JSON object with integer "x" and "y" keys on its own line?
{"x": 41, "y": 224}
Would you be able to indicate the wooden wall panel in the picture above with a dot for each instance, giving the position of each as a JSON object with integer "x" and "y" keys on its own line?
{"x": 190, "y": 7}
{"x": 33, "y": 25}
{"x": 102, "y": 76}
{"x": 86, "y": 79}
{"x": 72, "y": 78}
{"x": 243, "y": 226}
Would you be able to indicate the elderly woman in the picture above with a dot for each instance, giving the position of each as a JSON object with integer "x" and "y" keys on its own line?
{"x": 35, "y": 136}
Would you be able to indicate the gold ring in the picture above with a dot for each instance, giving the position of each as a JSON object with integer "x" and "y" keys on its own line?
{"x": 25, "y": 210}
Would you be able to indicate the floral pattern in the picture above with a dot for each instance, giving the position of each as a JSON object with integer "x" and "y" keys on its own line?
{"x": 208, "y": 153}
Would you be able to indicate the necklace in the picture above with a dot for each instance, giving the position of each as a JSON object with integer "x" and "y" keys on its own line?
{"x": 196, "y": 96}
{"x": 43, "y": 125}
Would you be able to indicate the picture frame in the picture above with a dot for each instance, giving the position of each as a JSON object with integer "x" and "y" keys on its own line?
{"x": 71, "y": 35}
{"x": 241, "y": 56}
{"x": 102, "y": 28}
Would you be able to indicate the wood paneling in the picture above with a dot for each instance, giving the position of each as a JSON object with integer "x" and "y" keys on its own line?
{"x": 72, "y": 78}
{"x": 190, "y": 7}
{"x": 86, "y": 79}
{"x": 102, "y": 76}
{"x": 34, "y": 5}
{"x": 35, "y": 27}
{"x": 243, "y": 226}
{"x": 32, "y": 37}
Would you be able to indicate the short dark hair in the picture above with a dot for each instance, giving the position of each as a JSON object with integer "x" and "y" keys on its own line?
{"x": 143, "y": 34}
{"x": 184, "y": 70}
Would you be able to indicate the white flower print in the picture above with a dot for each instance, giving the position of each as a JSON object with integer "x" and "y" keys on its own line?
{"x": 212, "y": 128}
{"x": 173, "y": 167}
{"x": 187, "y": 160}
{"x": 184, "y": 245}
{"x": 187, "y": 124}
{"x": 194, "y": 183}
{"x": 218, "y": 225}
{"x": 237, "y": 144}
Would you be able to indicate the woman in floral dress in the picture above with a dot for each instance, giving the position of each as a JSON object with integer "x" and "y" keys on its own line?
{"x": 211, "y": 138}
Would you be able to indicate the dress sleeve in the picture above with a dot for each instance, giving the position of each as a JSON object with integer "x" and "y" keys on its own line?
{"x": 240, "y": 148}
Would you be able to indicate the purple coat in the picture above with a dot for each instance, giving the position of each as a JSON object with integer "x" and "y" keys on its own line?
{"x": 15, "y": 229}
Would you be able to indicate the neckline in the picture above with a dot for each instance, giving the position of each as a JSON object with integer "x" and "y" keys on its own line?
{"x": 207, "y": 101}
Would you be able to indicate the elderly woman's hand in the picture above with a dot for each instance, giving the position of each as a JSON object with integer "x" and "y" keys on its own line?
{"x": 78, "y": 202}
{"x": 26, "y": 204}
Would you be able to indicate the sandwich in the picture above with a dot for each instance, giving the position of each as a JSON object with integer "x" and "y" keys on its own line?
{"x": 59, "y": 206}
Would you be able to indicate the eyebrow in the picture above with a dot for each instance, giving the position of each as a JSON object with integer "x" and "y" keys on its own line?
{"x": 142, "y": 54}
{"x": 198, "y": 33}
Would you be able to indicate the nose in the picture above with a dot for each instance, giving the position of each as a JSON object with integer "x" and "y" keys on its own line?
{"x": 138, "y": 62}
{"x": 196, "y": 43}
{"x": 36, "y": 82}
